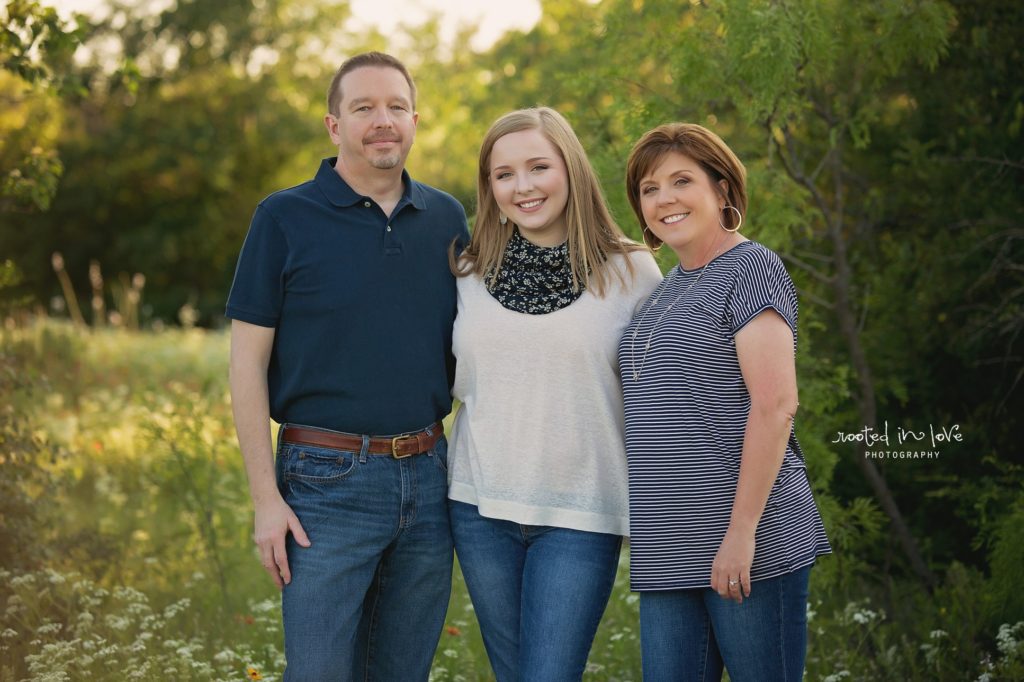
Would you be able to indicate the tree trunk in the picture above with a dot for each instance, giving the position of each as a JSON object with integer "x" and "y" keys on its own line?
{"x": 832, "y": 216}
{"x": 866, "y": 405}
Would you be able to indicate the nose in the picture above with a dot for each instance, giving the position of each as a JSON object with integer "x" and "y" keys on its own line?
{"x": 524, "y": 183}
{"x": 664, "y": 198}
{"x": 382, "y": 118}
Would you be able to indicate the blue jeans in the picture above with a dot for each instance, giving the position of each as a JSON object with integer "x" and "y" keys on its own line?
{"x": 689, "y": 634}
{"x": 368, "y": 598}
{"x": 538, "y": 592}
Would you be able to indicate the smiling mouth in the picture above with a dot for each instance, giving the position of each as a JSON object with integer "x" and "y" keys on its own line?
{"x": 529, "y": 205}
{"x": 669, "y": 220}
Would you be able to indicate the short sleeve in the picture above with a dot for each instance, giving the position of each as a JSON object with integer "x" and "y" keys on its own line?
{"x": 761, "y": 283}
{"x": 258, "y": 287}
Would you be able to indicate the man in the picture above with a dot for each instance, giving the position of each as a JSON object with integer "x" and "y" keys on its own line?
{"x": 342, "y": 309}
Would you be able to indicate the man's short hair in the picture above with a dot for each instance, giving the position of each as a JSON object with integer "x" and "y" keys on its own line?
{"x": 378, "y": 59}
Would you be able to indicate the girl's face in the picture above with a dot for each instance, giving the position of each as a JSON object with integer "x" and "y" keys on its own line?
{"x": 531, "y": 185}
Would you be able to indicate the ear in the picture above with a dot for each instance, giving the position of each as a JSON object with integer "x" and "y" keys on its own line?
{"x": 331, "y": 123}
{"x": 723, "y": 187}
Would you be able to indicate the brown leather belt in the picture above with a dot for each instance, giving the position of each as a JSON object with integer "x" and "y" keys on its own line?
{"x": 399, "y": 447}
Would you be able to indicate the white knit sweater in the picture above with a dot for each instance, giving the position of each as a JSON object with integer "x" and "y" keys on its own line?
{"x": 539, "y": 437}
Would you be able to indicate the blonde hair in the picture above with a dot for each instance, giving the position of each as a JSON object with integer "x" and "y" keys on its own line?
{"x": 593, "y": 233}
{"x": 710, "y": 152}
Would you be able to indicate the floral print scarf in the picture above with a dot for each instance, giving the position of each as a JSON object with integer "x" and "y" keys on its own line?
{"x": 533, "y": 279}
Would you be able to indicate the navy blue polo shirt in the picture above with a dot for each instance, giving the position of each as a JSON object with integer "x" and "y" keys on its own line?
{"x": 362, "y": 303}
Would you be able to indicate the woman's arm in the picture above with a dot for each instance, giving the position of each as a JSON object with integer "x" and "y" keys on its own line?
{"x": 765, "y": 351}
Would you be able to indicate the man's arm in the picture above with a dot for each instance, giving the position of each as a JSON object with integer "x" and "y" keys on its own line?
{"x": 250, "y": 402}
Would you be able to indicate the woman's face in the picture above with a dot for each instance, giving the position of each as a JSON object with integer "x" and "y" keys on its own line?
{"x": 531, "y": 185}
{"x": 681, "y": 205}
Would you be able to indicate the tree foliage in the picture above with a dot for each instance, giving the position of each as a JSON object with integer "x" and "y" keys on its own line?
{"x": 36, "y": 48}
{"x": 882, "y": 141}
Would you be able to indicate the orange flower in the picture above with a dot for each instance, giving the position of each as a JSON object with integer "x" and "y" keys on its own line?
{"x": 253, "y": 673}
{"x": 453, "y": 631}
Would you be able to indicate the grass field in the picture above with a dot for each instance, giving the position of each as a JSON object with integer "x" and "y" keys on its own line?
{"x": 125, "y": 526}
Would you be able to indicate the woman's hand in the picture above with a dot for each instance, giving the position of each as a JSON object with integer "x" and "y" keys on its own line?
{"x": 730, "y": 572}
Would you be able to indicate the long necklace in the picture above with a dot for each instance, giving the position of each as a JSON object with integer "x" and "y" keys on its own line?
{"x": 637, "y": 371}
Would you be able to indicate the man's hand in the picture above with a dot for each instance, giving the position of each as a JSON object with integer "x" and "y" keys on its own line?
{"x": 274, "y": 520}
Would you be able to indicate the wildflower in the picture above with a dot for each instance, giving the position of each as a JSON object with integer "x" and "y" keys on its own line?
{"x": 264, "y": 606}
{"x": 1006, "y": 639}
{"x": 119, "y": 623}
{"x": 49, "y": 628}
{"x": 253, "y": 673}
{"x": 453, "y": 631}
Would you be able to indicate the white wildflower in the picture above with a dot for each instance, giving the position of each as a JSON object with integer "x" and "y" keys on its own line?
{"x": 836, "y": 676}
{"x": 1006, "y": 638}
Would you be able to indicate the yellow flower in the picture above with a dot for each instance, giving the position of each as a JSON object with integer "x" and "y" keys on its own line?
{"x": 253, "y": 673}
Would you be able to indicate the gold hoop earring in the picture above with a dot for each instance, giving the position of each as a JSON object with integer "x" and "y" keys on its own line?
{"x": 739, "y": 216}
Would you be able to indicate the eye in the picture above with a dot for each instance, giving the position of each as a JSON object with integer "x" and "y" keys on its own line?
{"x": 682, "y": 181}
{"x": 397, "y": 107}
{"x": 501, "y": 175}
{"x": 539, "y": 167}
{"x": 649, "y": 189}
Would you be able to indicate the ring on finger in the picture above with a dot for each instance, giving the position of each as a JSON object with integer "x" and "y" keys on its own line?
{"x": 733, "y": 583}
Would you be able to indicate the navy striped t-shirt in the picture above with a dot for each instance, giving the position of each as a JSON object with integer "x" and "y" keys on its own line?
{"x": 686, "y": 410}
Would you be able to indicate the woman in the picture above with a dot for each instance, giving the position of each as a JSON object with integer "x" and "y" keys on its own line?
{"x": 724, "y": 529}
{"x": 538, "y": 468}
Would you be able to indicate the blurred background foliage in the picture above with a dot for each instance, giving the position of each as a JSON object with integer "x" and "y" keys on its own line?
{"x": 884, "y": 149}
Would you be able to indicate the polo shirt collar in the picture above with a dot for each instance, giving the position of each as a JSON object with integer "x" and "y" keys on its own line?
{"x": 339, "y": 193}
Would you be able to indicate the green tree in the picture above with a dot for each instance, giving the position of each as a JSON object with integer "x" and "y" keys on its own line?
{"x": 36, "y": 48}
{"x": 163, "y": 173}
{"x": 804, "y": 85}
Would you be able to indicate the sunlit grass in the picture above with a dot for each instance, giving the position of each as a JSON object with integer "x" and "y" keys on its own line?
{"x": 133, "y": 558}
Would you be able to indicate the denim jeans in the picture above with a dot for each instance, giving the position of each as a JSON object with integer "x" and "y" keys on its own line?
{"x": 368, "y": 598}
{"x": 688, "y": 634}
{"x": 538, "y": 592}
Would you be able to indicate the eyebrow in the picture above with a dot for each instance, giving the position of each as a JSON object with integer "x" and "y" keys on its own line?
{"x": 364, "y": 100}
{"x": 681, "y": 171}
{"x": 534, "y": 159}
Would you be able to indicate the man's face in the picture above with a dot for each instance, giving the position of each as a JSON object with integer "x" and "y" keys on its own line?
{"x": 375, "y": 124}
